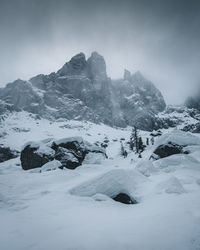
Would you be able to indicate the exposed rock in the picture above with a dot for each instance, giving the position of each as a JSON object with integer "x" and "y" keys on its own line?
{"x": 67, "y": 158}
{"x": 167, "y": 150}
{"x": 193, "y": 128}
{"x": 96, "y": 66}
{"x": 32, "y": 158}
{"x": 6, "y": 154}
{"x": 76, "y": 66}
{"x": 127, "y": 75}
{"x": 70, "y": 152}
{"x": 124, "y": 198}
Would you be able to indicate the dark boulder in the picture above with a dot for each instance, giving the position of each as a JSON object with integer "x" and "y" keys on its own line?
{"x": 124, "y": 198}
{"x": 69, "y": 151}
{"x": 32, "y": 158}
{"x": 6, "y": 154}
{"x": 67, "y": 158}
{"x": 166, "y": 150}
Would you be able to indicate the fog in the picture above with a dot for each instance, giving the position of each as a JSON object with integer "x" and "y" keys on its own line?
{"x": 159, "y": 38}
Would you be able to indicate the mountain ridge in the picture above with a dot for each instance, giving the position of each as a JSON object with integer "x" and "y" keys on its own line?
{"x": 81, "y": 90}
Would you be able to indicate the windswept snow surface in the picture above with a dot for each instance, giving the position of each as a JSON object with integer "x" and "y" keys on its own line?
{"x": 72, "y": 209}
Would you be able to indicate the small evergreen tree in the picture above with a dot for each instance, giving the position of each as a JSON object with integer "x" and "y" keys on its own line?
{"x": 140, "y": 145}
{"x": 123, "y": 151}
{"x": 131, "y": 142}
{"x": 134, "y": 139}
{"x": 152, "y": 140}
{"x": 147, "y": 141}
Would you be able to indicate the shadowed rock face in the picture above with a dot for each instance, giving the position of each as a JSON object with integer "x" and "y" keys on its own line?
{"x": 81, "y": 90}
{"x": 124, "y": 198}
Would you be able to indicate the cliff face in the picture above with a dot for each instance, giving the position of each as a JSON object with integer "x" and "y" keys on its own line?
{"x": 82, "y": 90}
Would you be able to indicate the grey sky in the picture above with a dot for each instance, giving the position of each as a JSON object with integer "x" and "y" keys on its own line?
{"x": 159, "y": 38}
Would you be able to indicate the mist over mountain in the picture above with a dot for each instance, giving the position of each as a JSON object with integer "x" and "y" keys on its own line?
{"x": 82, "y": 90}
{"x": 194, "y": 101}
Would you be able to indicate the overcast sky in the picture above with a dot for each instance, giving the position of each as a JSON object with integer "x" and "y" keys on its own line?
{"x": 159, "y": 38}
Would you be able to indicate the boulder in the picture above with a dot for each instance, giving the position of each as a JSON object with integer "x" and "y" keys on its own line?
{"x": 167, "y": 150}
{"x": 6, "y": 154}
{"x": 31, "y": 157}
{"x": 70, "y": 152}
{"x": 124, "y": 198}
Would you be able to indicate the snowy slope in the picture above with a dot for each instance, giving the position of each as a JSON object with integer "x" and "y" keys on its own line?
{"x": 72, "y": 209}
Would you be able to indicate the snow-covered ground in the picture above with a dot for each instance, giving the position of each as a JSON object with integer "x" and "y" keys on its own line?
{"x": 72, "y": 209}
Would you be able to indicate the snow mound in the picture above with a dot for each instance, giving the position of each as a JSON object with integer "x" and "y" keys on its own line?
{"x": 93, "y": 158}
{"x": 52, "y": 165}
{"x": 145, "y": 167}
{"x": 177, "y": 161}
{"x": 178, "y": 137}
{"x": 171, "y": 185}
{"x": 111, "y": 183}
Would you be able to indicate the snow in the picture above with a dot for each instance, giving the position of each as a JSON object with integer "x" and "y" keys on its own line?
{"x": 69, "y": 139}
{"x": 52, "y": 165}
{"x": 179, "y": 137}
{"x": 111, "y": 183}
{"x": 72, "y": 209}
{"x": 93, "y": 158}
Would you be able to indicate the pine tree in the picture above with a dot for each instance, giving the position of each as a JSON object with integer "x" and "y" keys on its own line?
{"x": 134, "y": 139}
{"x": 123, "y": 151}
{"x": 131, "y": 143}
{"x": 140, "y": 145}
{"x": 152, "y": 140}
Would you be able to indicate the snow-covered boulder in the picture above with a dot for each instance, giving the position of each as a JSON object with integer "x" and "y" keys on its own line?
{"x": 35, "y": 155}
{"x": 111, "y": 184}
{"x": 173, "y": 142}
{"x": 70, "y": 152}
{"x": 166, "y": 150}
{"x": 178, "y": 137}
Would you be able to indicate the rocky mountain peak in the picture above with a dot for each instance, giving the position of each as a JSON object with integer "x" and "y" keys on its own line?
{"x": 137, "y": 76}
{"x": 127, "y": 75}
{"x": 81, "y": 90}
{"x": 96, "y": 66}
{"x": 76, "y": 66}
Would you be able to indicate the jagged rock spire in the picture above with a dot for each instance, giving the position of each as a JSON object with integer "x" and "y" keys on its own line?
{"x": 96, "y": 66}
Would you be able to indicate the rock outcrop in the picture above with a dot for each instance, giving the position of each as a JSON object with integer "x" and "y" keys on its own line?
{"x": 70, "y": 152}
